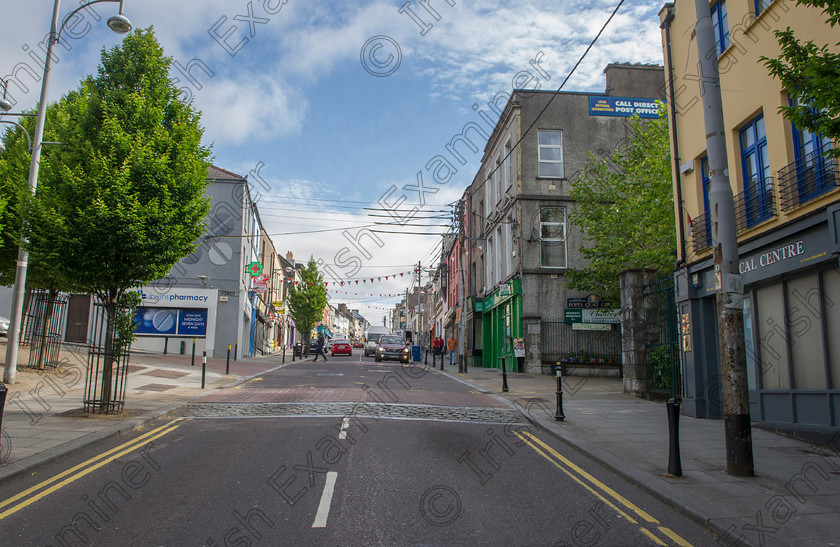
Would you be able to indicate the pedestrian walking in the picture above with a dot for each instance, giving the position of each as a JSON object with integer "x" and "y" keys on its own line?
{"x": 320, "y": 348}
{"x": 451, "y": 345}
{"x": 438, "y": 345}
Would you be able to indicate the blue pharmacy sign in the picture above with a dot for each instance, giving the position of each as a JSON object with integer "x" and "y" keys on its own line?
{"x": 170, "y": 322}
{"x": 622, "y": 107}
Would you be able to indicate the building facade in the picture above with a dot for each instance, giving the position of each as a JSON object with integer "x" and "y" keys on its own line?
{"x": 518, "y": 238}
{"x": 787, "y": 216}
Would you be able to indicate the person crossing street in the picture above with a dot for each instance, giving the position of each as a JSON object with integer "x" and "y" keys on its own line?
{"x": 320, "y": 348}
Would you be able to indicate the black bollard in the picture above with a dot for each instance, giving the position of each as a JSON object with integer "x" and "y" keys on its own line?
{"x": 227, "y": 361}
{"x": 441, "y": 359}
{"x": 165, "y": 344}
{"x": 558, "y": 415}
{"x": 504, "y": 375}
{"x": 3, "y": 391}
{"x": 284, "y": 354}
{"x": 192, "y": 361}
{"x": 203, "y": 367}
{"x": 674, "y": 463}
{"x": 235, "y": 349}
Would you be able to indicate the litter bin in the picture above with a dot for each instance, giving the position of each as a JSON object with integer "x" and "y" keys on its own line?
{"x": 296, "y": 350}
{"x": 415, "y": 352}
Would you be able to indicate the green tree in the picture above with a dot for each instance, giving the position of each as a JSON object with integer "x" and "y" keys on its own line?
{"x": 126, "y": 201}
{"x": 810, "y": 74}
{"x": 625, "y": 207}
{"x": 307, "y": 300}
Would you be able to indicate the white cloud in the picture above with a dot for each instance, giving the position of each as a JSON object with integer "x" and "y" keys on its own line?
{"x": 249, "y": 108}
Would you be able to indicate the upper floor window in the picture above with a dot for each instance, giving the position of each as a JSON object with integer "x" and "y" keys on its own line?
{"x": 550, "y": 153}
{"x": 508, "y": 165}
{"x": 497, "y": 175}
{"x": 553, "y": 237}
{"x": 761, "y": 5}
{"x": 720, "y": 23}
{"x": 755, "y": 165}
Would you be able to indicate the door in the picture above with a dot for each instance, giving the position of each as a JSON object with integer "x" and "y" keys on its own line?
{"x": 78, "y": 316}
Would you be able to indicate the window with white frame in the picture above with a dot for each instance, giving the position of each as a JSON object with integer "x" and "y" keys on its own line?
{"x": 488, "y": 277}
{"x": 500, "y": 254}
{"x": 553, "y": 237}
{"x": 550, "y": 153}
{"x": 497, "y": 177}
{"x": 508, "y": 168}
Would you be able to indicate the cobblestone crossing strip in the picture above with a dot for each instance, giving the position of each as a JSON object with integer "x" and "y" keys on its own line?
{"x": 362, "y": 410}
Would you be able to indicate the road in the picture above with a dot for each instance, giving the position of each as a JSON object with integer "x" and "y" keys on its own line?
{"x": 343, "y": 452}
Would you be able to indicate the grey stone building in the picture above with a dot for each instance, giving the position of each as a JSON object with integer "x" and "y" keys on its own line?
{"x": 520, "y": 242}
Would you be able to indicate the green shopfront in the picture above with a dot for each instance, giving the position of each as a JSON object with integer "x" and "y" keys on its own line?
{"x": 498, "y": 327}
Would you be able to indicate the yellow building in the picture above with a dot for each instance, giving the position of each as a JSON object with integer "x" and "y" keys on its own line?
{"x": 787, "y": 209}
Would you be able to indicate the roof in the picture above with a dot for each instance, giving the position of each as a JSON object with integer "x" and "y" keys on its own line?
{"x": 217, "y": 173}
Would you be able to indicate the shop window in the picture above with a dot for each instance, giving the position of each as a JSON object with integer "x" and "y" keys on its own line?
{"x": 831, "y": 307}
{"x": 805, "y": 328}
{"x": 720, "y": 24}
{"x": 772, "y": 336}
{"x": 550, "y": 153}
{"x": 553, "y": 237}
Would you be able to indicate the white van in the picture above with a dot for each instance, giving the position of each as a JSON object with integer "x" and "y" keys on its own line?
{"x": 372, "y": 338}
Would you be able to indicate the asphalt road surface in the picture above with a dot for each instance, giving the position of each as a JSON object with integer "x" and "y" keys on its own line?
{"x": 343, "y": 452}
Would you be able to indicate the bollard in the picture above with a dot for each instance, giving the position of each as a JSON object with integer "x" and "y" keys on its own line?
{"x": 284, "y": 355}
{"x": 235, "y": 350}
{"x": 504, "y": 375}
{"x": 674, "y": 464}
{"x": 203, "y": 367}
{"x": 192, "y": 361}
{"x": 183, "y": 347}
{"x": 559, "y": 416}
{"x": 441, "y": 361}
{"x": 227, "y": 361}
{"x": 165, "y": 344}
{"x": 293, "y": 354}
{"x": 3, "y": 391}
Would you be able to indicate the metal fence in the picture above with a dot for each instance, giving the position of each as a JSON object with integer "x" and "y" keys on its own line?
{"x": 44, "y": 321}
{"x": 107, "y": 370}
{"x": 562, "y": 343}
{"x": 662, "y": 357}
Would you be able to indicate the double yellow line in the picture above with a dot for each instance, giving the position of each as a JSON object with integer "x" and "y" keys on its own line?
{"x": 47, "y": 487}
{"x": 621, "y": 505}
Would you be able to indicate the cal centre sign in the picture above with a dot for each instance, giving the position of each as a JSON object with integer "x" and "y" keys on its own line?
{"x": 622, "y": 107}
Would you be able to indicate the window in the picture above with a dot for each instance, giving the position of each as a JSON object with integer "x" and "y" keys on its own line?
{"x": 500, "y": 255}
{"x": 755, "y": 165}
{"x": 550, "y": 154}
{"x": 814, "y": 172}
{"x": 488, "y": 274}
{"x": 720, "y": 24}
{"x": 497, "y": 174}
{"x": 553, "y": 237}
{"x": 508, "y": 165}
{"x": 761, "y": 5}
{"x": 704, "y": 173}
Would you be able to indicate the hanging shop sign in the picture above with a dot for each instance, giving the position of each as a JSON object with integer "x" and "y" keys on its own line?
{"x": 254, "y": 269}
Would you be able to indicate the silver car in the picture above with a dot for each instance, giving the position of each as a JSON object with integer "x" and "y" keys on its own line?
{"x": 4, "y": 326}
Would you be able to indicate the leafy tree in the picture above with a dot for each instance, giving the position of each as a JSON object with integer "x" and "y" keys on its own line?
{"x": 307, "y": 300}
{"x": 810, "y": 74}
{"x": 126, "y": 201}
{"x": 625, "y": 207}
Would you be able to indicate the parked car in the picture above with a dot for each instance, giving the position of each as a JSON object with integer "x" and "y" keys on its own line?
{"x": 313, "y": 346}
{"x": 341, "y": 346}
{"x": 4, "y": 326}
{"x": 392, "y": 347}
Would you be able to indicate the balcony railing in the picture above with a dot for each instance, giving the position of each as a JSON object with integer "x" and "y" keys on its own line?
{"x": 807, "y": 178}
{"x": 701, "y": 232}
{"x": 755, "y": 204}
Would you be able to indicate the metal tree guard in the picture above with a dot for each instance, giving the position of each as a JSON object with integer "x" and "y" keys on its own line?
{"x": 100, "y": 353}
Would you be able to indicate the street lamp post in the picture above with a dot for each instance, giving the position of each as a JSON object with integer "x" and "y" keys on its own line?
{"x": 119, "y": 24}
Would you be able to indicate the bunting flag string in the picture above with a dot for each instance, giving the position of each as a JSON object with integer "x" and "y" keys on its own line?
{"x": 350, "y": 281}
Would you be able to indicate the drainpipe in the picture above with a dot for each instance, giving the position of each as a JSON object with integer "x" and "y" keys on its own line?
{"x": 672, "y": 112}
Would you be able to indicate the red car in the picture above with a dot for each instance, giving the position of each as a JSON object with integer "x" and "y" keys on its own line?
{"x": 358, "y": 344}
{"x": 341, "y": 346}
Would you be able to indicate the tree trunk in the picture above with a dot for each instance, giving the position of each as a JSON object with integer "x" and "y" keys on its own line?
{"x": 109, "y": 357}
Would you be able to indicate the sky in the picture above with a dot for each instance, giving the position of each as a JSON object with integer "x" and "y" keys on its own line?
{"x": 334, "y": 109}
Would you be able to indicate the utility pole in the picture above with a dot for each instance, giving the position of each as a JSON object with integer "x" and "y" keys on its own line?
{"x": 419, "y": 306}
{"x": 460, "y": 209}
{"x": 729, "y": 284}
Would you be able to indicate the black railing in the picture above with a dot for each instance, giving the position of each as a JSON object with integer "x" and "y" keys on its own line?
{"x": 755, "y": 204}
{"x": 701, "y": 232}
{"x": 662, "y": 356}
{"x": 807, "y": 178}
{"x": 561, "y": 342}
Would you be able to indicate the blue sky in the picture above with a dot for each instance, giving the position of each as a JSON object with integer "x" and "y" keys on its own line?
{"x": 291, "y": 98}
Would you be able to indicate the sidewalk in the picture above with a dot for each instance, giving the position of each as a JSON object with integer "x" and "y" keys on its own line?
{"x": 43, "y": 419}
{"x": 794, "y": 499}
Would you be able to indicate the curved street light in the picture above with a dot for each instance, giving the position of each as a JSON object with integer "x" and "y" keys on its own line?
{"x": 119, "y": 24}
